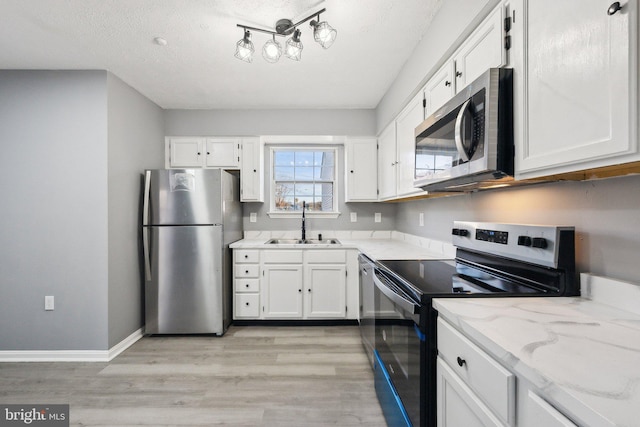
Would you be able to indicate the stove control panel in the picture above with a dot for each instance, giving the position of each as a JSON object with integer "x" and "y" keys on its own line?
{"x": 538, "y": 244}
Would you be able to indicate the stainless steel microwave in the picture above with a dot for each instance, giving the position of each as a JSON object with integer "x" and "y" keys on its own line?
{"x": 467, "y": 144}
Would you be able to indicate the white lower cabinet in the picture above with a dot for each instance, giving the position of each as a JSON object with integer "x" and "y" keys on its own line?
{"x": 458, "y": 405}
{"x": 295, "y": 284}
{"x": 474, "y": 389}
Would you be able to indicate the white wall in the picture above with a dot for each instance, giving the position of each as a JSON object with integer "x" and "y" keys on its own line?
{"x": 135, "y": 134}
{"x": 53, "y": 221}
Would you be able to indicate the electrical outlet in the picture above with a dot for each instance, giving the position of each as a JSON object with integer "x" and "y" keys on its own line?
{"x": 253, "y": 217}
{"x": 377, "y": 217}
{"x": 48, "y": 303}
{"x": 421, "y": 219}
{"x": 354, "y": 216}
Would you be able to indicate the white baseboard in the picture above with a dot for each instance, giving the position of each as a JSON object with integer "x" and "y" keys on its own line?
{"x": 71, "y": 355}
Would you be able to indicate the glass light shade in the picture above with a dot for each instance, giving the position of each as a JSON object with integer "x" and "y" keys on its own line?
{"x": 324, "y": 34}
{"x": 271, "y": 51}
{"x": 293, "y": 49}
{"x": 244, "y": 48}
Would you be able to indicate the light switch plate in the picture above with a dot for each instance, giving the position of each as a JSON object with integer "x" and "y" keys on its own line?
{"x": 354, "y": 216}
{"x": 377, "y": 217}
{"x": 48, "y": 303}
{"x": 253, "y": 217}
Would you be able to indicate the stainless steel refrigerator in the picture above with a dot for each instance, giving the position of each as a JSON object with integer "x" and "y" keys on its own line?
{"x": 190, "y": 216}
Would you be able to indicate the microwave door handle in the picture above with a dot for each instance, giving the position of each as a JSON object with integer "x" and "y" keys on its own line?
{"x": 459, "y": 137}
{"x": 398, "y": 299}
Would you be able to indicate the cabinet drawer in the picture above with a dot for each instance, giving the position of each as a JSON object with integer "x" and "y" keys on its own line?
{"x": 282, "y": 256}
{"x": 247, "y": 270}
{"x": 247, "y": 256}
{"x": 492, "y": 382}
{"x": 247, "y": 305}
{"x": 327, "y": 256}
{"x": 247, "y": 285}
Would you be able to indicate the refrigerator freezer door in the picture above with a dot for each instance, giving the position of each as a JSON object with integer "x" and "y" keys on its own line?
{"x": 184, "y": 294}
{"x": 183, "y": 197}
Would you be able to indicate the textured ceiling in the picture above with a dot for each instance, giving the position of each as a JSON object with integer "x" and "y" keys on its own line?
{"x": 197, "y": 69}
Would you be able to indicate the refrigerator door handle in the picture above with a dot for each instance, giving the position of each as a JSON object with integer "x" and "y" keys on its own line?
{"x": 145, "y": 197}
{"x": 145, "y": 250}
{"x": 145, "y": 230}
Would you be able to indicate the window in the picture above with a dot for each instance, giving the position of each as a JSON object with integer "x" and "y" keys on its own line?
{"x": 303, "y": 175}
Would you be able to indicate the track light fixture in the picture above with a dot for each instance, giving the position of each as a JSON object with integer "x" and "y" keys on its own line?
{"x": 323, "y": 33}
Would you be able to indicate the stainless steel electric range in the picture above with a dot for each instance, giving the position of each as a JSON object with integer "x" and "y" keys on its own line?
{"x": 492, "y": 260}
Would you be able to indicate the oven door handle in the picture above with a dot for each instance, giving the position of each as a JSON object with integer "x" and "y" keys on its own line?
{"x": 404, "y": 303}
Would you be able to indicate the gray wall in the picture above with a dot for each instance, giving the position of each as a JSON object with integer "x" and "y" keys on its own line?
{"x": 74, "y": 144}
{"x": 270, "y": 122}
{"x": 53, "y": 221}
{"x": 606, "y": 214}
{"x": 135, "y": 135}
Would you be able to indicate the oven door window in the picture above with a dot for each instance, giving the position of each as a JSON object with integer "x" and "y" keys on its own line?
{"x": 398, "y": 341}
{"x": 437, "y": 149}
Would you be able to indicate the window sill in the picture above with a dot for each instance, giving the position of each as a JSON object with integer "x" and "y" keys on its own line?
{"x": 276, "y": 214}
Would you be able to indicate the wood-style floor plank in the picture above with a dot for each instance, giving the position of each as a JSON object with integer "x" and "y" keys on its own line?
{"x": 252, "y": 376}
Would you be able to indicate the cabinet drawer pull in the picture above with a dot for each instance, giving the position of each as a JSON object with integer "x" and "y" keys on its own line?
{"x": 247, "y": 304}
{"x": 246, "y": 256}
{"x": 246, "y": 271}
{"x": 461, "y": 361}
{"x": 247, "y": 285}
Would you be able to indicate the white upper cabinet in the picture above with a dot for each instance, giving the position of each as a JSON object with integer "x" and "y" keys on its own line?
{"x": 251, "y": 170}
{"x": 387, "y": 162}
{"x": 406, "y": 123}
{"x": 361, "y": 169}
{"x": 198, "y": 152}
{"x": 575, "y": 85}
{"x": 185, "y": 152}
{"x": 222, "y": 153}
{"x": 484, "y": 49}
{"x": 440, "y": 88}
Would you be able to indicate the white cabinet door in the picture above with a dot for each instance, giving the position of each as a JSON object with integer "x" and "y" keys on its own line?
{"x": 282, "y": 292}
{"x": 575, "y": 85}
{"x": 484, "y": 49}
{"x": 535, "y": 412}
{"x": 387, "y": 162}
{"x": 251, "y": 175}
{"x": 406, "y": 124}
{"x": 325, "y": 290}
{"x": 186, "y": 152}
{"x": 223, "y": 152}
{"x": 457, "y": 404}
{"x": 361, "y": 169}
{"x": 440, "y": 88}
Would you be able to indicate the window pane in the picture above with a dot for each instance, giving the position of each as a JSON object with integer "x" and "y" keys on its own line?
{"x": 323, "y": 158}
{"x": 283, "y": 158}
{"x": 303, "y": 190}
{"x": 283, "y": 192}
{"x": 304, "y": 158}
{"x": 283, "y": 173}
{"x": 304, "y": 173}
{"x": 324, "y": 173}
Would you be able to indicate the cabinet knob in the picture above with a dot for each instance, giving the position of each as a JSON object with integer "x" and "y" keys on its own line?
{"x": 208, "y": 153}
{"x": 351, "y": 171}
{"x": 461, "y": 361}
{"x": 299, "y": 290}
{"x": 255, "y": 170}
{"x": 447, "y": 83}
{"x": 246, "y": 272}
{"x": 247, "y": 304}
{"x": 309, "y": 290}
{"x": 247, "y": 285}
{"x": 246, "y": 256}
{"x": 615, "y": 7}
{"x": 458, "y": 74}
{"x": 198, "y": 153}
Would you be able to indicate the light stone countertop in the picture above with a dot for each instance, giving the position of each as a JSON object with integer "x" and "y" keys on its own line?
{"x": 583, "y": 355}
{"x": 379, "y": 245}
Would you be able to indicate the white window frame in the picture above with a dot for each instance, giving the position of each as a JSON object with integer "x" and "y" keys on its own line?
{"x": 273, "y": 213}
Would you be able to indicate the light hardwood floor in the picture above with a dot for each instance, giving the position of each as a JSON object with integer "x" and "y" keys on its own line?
{"x": 252, "y": 376}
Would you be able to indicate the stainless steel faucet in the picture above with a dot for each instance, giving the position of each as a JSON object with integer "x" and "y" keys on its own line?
{"x": 304, "y": 231}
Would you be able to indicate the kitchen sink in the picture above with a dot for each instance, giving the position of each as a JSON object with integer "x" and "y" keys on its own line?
{"x": 303, "y": 242}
